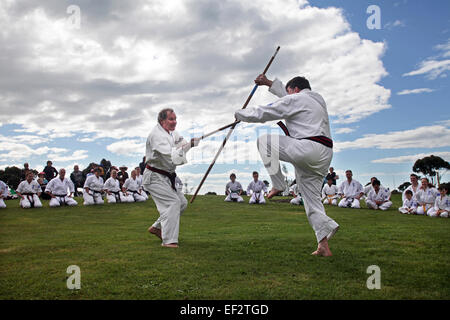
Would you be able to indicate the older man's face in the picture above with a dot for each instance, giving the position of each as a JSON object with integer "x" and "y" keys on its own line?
{"x": 170, "y": 122}
{"x": 62, "y": 174}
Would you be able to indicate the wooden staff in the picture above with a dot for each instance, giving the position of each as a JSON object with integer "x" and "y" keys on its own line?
{"x": 233, "y": 125}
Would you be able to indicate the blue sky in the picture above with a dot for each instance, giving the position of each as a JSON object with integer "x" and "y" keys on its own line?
{"x": 78, "y": 93}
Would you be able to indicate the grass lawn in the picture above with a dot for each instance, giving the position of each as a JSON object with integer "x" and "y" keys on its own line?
{"x": 227, "y": 251}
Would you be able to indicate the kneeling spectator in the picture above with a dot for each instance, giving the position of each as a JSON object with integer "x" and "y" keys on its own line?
{"x": 93, "y": 188}
{"x": 426, "y": 196}
{"x": 29, "y": 191}
{"x": 330, "y": 192}
{"x": 233, "y": 190}
{"x": 132, "y": 186}
{"x": 113, "y": 192}
{"x": 441, "y": 205}
{"x": 57, "y": 189}
{"x": 409, "y": 204}
{"x": 3, "y": 194}
{"x": 378, "y": 198}
{"x": 295, "y": 192}
{"x": 258, "y": 190}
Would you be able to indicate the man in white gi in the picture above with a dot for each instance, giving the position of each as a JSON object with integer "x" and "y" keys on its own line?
{"x": 58, "y": 189}
{"x": 294, "y": 191}
{"x": 233, "y": 190}
{"x": 409, "y": 204}
{"x": 166, "y": 149}
{"x": 378, "y": 198}
{"x": 414, "y": 187}
{"x": 426, "y": 196}
{"x": 133, "y": 187}
{"x": 441, "y": 205}
{"x": 139, "y": 177}
{"x": 330, "y": 192}
{"x": 308, "y": 147}
{"x": 29, "y": 191}
{"x": 3, "y": 194}
{"x": 93, "y": 188}
{"x": 368, "y": 187}
{"x": 350, "y": 191}
{"x": 113, "y": 192}
{"x": 256, "y": 190}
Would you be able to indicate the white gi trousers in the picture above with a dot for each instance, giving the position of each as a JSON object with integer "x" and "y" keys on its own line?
{"x": 432, "y": 213}
{"x": 257, "y": 196}
{"x": 423, "y": 209}
{"x": 123, "y": 198}
{"x": 170, "y": 205}
{"x": 25, "y": 202}
{"x": 330, "y": 201}
{"x": 58, "y": 201}
{"x": 405, "y": 210}
{"x": 353, "y": 203}
{"x": 311, "y": 161}
{"x": 136, "y": 196}
{"x": 236, "y": 196}
{"x": 372, "y": 205}
{"x": 92, "y": 198}
{"x": 296, "y": 201}
{"x": 2, "y": 204}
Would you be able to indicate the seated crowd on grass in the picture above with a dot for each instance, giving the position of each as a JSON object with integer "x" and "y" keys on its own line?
{"x": 420, "y": 199}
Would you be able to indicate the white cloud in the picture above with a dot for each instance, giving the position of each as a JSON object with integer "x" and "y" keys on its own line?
{"x": 127, "y": 147}
{"x": 76, "y": 155}
{"x": 436, "y": 136}
{"x": 344, "y": 130}
{"x": 412, "y": 158}
{"x": 396, "y": 23}
{"x": 414, "y": 91}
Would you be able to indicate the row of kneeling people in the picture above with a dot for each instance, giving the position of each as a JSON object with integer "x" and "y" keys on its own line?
{"x": 61, "y": 190}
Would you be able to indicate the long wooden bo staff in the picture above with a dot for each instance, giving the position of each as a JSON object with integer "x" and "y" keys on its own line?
{"x": 232, "y": 125}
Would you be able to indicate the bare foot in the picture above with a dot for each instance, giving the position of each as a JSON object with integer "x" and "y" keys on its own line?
{"x": 155, "y": 231}
{"x": 323, "y": 250}
{"x": 272, "y": 193}
{"x": 170, "y": 245}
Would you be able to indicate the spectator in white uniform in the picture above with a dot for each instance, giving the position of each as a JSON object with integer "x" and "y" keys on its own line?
{"x": 295, "y": 192}
{"x": 426, "y": 196}
{"x": 330, "y": 192}
{"x": 139, "y": 177}
{"x": 233, "y": 190}
{"x": 61, "y": 189}
{"x": 93, "y": 188}
{"x": 3, "y": 194}
{"x": 256, "y": 190}
{"x": 307, "y": 146}
{"x": 414, "y": 187}
{"x": 378, "y": 197}
{"x": 133, "y": 187}
{"x": 350, "y": 191}
{"x": 113, "y": 192}
{"x": 441, "y": 204}
{"x": 368, "y": 187}
{"x": 29, "y": 191}
{"x": 409, "y": 204}
{"x": 165, "y": 150}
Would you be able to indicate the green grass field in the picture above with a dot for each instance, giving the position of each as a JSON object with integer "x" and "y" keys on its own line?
{"x": 227, "y": 251}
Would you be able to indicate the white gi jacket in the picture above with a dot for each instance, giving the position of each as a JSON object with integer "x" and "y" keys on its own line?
{"x": 427, "y": 196}
{"x": 94, "y": 183}
{"x": 413, "y": 192}
{"x": 233, "y": 187}
{"x": 25, "y": 187}
{"x": 410, "y": 203}
{"x": 58, "y": 187}
{"x": 112, "y": 185}
{"x": 382, "y": 195}
{"x": 3, "y": 189}
{"x": 442, "y": 203}
{"x": 256, "y": 187}
{"x": 163, "y": 149}
{"x": 329, "y": 191}
{"x": 351, "y": 190}
{"x": 132, "y": 184}
{"x": 305, "y": 113}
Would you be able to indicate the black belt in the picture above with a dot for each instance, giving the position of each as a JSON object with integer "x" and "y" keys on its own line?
{"x": 31, "y": 200}
{"x": 327, "y": 142}
{"x": 94, "y": 191}
{"x": 169, "y": 175}
{"x": 117, "y": 195}
{"x": 61, "y": 196}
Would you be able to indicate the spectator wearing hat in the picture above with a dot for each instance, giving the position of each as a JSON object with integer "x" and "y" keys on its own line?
{"x": 122, "y": 175}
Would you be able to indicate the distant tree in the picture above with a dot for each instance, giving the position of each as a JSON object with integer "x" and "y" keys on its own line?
{"x": 11, "y": 176}
{"x": 431, "y": 166}
{"x": 211, "y": 193}
{"x": 403, "y": 186}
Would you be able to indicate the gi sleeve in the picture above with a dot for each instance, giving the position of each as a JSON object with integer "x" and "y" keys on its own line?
{"x": 278, "y": 88}
{"x": 71, "y": 186}
{"x": 323, "y": 193}
{"x": 280, "y": 109}
{"x": 49, "y": 186}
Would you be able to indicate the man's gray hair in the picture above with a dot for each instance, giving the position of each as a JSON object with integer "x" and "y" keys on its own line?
{"x": 162, "y": 115}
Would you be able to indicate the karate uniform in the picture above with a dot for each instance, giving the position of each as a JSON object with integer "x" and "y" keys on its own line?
{"x": 426, "y": 199}
{"x": 4, "y": 193}
{"x": 305, "y": 115}
{"x": 414, "y": 196}
{"x": 141, "y": 187}
{"x": 59, "y": 189}
{"x": 164, "y": 152}
{"x": 133, "y": 188}
{"x": 298, "y": 199}
{"x": 233, "y": 190}
{"x": 440, "y": 204}
{"x": 329, "y": 194}
{"x": 409, "y": 204}
{"x": 258, "y": 188}
{"x": 113, "y": 185}
{"x": 382, "y": 195}
{"x": 367, "y": 189}
{"x": 351, "y": 191}
{"x": 95, "y": 186}
{"x": 29, "y": 191}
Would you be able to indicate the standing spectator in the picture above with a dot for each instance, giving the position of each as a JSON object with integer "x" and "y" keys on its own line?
{"x": 122, "y": 175}
{"x": 50, "y": 172}
{"x": 333, "y": 175}
{"x": 142, "y": 165}
{"x": 77, "y": 178}
{"x": 25, "y": 170}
